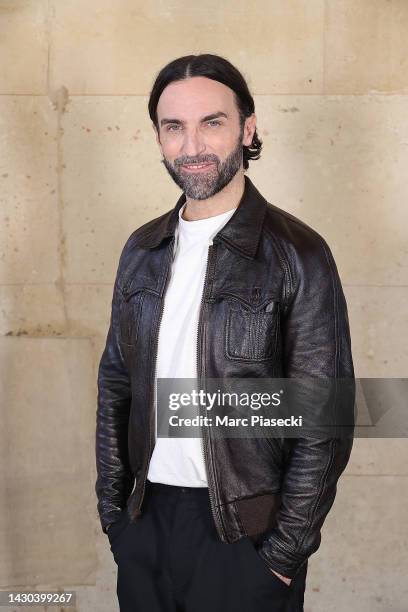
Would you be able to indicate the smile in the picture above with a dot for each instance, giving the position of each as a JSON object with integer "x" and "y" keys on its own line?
{"x": 195, "y": 167}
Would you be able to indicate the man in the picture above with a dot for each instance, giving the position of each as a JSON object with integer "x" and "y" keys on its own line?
{"x": 223, "y": 285}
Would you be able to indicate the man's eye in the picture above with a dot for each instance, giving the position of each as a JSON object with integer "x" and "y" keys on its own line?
{"x": 175, "y": 127}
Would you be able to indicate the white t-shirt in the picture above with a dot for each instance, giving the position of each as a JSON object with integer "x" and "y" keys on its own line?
{"x": 179, "y": 461}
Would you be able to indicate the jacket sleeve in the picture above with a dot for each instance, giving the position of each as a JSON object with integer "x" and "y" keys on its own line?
{"x": 316, "y": 344}
{"x": 114, "y": 478}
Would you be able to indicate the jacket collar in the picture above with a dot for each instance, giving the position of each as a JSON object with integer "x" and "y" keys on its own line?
{"x": 242, "y": 231}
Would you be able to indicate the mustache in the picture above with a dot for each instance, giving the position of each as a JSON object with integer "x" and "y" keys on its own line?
{"x": 195, "y": 161}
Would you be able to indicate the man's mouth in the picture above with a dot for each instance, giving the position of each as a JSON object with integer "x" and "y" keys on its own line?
{"x": 197, "y": 167}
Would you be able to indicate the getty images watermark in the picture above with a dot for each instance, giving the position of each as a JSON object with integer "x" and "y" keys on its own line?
{"x": 282, "y": 407}
{"x": 211, "y": 401}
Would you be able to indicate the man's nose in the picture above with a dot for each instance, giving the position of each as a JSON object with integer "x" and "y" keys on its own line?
{"x": 193, "y": 144}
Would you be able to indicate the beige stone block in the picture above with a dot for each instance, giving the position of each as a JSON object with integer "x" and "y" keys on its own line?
{"x": 29, "y": 218}
{"x": 118, "y": 48}
{"x": 100, "y": 596}
{"x": 378, "y": 326}
{"x": 112, "y": 183}
{"x": 32, "y": 310}
{"x": 336, "y": 163}
{"x": 23, "y": 46}
{"x": 366, "y": 48}
{"x": 362, "y": 560}
{"x": 322, "y": 160}
{"x": 47, "y": 500}
{"x": 45, "y": 311}
{"x": 88, "y": 309}
{"x": 378, "y": 457}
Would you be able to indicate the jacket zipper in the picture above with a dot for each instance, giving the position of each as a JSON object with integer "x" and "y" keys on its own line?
{"x": 217, "y": 522}
{"x": 156, "y": 343}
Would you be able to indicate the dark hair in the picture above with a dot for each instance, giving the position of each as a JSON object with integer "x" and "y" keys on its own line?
{"x": 216, "y": 68}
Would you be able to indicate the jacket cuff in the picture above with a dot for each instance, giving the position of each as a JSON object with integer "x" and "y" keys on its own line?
{"x": 108, "y": 519}
{"x": 279, "y": 560}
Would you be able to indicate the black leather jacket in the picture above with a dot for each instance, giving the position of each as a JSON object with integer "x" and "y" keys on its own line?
{"x": 283, "y": 490}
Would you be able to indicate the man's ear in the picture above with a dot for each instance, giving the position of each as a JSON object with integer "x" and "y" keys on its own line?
{"x": 249, "y": 129}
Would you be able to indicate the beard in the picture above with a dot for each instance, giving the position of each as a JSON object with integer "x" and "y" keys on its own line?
{"x": 203, "y": 185}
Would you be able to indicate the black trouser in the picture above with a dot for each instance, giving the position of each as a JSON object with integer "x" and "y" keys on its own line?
{"x": 171, "y": 559}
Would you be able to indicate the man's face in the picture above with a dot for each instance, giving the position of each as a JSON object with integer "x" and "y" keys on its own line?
{"x": 199, "y": 125}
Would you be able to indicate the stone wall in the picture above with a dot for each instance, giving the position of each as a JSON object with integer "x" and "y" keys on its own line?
{"x": 79, "y": 171}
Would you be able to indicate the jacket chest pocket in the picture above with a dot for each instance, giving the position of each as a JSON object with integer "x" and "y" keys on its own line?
{"x": 129, "y": 316}
{"x": 251, "y": 333}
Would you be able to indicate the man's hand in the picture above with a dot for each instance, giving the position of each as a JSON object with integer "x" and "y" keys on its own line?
{"x": 286, "y": 580}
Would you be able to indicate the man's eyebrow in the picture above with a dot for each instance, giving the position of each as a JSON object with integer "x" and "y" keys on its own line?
{"x": 203, "y": 120}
